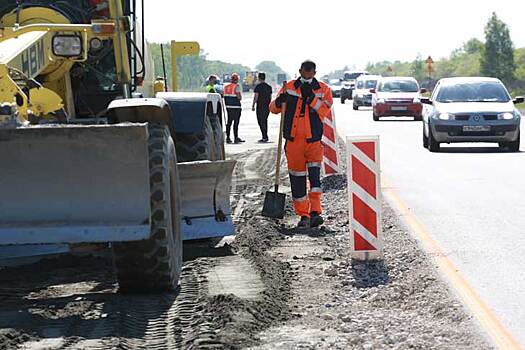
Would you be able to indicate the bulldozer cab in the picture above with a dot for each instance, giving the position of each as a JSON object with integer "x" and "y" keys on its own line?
{"x": 88, "y": 85}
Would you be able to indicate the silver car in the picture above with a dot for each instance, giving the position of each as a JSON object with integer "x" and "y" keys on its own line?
{"x": 471, "y": 110}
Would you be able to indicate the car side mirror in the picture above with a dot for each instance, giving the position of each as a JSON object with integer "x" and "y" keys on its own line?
{"x": 426, "y": 100}
{"x": 373, "y": 91}
{"x": 519, "y": 99}
{"x": 423, "y": 90}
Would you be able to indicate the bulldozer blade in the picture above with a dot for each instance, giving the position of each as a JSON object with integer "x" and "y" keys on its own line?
{"x": 205, "y": 193}
{"x": 74, "y": 184}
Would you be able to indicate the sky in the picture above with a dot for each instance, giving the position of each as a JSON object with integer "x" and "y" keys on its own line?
{"x": 331, "y": 33}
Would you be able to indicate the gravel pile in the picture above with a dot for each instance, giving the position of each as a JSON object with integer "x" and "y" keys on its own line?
{"x": 397, "y": 303}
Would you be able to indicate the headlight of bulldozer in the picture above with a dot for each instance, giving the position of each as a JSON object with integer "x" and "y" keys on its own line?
{"x": 67, "y": 45}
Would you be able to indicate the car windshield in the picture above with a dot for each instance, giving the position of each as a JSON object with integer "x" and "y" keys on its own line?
{"x": 352, "y": 76}
{"x": 370, "y": 84}
{"x": 485, "y": 91}
{"x": 335, "y": 82}
{"x": 398, "y": 86}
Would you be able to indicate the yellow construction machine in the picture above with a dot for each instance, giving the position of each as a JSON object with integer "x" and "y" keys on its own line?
{"x": 250, "y": 81}
{"x": 88, "y": 153}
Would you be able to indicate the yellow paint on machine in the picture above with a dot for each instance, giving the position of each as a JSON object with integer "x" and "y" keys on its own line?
{"x": 499, "y": 335}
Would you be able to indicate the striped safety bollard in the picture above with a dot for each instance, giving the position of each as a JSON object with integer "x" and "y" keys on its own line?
{"x": 330, "y": 148}
{"x": 364, "y": 197}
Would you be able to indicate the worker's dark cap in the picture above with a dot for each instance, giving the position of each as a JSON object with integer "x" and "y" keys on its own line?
{"x": 308, "y": 65}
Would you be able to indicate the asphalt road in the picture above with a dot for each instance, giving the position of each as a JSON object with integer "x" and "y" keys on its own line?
{"x": 469, "y": 198}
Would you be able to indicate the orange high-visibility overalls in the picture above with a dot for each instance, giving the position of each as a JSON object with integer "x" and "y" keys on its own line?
{"x": 303, "y": 131}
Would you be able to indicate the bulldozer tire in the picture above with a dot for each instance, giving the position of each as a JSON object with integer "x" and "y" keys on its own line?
{"x": 155, "y": 264}
{"x": 218, "y": 138}
{"x": 196, "y": 146}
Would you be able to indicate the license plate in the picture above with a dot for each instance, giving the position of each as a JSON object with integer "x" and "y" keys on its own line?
{"x": 399, "y": 108}
{"x": 476, "y": 128}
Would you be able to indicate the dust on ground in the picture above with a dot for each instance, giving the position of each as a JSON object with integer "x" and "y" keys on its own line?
{"x": 309, "y": 293}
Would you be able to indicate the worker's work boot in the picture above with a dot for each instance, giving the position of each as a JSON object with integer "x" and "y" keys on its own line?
{"x": 238, "y": 140}
{"x": 304, "y": 222}
{"x": 228, "y": 140}
{"x": 316, "y": 220}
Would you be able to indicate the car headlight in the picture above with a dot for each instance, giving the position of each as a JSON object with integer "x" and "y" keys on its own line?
{"x": 67, "y": 45}
{"x": 380, "y": 100}
{"x": 506, "y": 116}
{"x": 445, "y": 116}
{"x": 416, "y": 100}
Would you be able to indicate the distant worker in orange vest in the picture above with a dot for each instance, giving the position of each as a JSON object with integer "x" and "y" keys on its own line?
{"x": 232, "y": 100}
{"x": 308, "y": 102}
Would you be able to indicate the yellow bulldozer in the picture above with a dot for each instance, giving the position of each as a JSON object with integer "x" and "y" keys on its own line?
{"x": 89, "y": 153}
{"x": 250, "y": 81}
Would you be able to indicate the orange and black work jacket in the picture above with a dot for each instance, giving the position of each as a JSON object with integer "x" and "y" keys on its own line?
{"x": 230, "y": 95}
{"x": 309, "y": 117}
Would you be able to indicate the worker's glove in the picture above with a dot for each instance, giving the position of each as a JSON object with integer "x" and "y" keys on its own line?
{"x": 281, "y": 99}
{"x": 307, "y": 92}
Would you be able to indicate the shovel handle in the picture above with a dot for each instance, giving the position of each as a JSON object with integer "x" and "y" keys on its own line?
{"x": 280, "y": 143}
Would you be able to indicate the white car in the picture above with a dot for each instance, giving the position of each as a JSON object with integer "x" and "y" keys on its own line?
{"x": 362, "y": 94}
{"x": 471, "y": 110}
{"x": 335, "y": 86}
{"x": 349, "y": 78}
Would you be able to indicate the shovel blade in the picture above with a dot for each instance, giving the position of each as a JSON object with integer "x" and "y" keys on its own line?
{"x": 274, "y": 203}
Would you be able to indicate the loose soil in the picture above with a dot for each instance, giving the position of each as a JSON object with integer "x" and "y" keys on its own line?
{"x": 308, "y": 293}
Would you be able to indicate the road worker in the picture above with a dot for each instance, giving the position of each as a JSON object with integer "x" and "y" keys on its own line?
{"x": 261, "y": 98}
{"x": 308, "y": 102}
{"x": 232, "y": 100}
{"x": 212, "y": 81}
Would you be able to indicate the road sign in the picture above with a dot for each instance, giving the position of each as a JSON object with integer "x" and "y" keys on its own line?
{"x": 330, "y": 148}
{"x": 430, "y": 68}
{"x": 181, "y": 48}
{"x": 364, "y": 192}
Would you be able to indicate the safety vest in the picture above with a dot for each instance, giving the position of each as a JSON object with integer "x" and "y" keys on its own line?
{"x": 210, "y": 88}
{"x": 314, "y": 112}
{"x": 230, "y": 96}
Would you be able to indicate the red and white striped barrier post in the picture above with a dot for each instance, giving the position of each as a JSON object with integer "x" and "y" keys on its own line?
{"x": 364, "y": 197}
{"x": 330, "y": 149}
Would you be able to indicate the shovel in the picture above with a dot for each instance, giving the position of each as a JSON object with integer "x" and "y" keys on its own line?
{"x": 274, "y": 201}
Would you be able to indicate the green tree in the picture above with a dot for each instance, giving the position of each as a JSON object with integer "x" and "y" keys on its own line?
{"x": 497, "y": 59}
{"x": 192, "y": 71}
{"x": 473, "y": 46}
{"x": 418, "y": 69}
{"x": 271, "y": 69}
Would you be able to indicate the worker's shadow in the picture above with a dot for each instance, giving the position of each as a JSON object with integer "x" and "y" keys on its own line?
{"x": 311, "y": 232}
{"x": 368, "y": 274}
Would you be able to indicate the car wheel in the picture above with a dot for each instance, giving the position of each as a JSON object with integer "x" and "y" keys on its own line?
{"x": 425, "y": 138}
{"x": 355, "y": 106}
{"x": 514, "y": 146}
{"x": 433, "y": 145}
{"x": 342, "y": 100}
{"x": 375, "y": 116}
{"x": 418, "y": 118}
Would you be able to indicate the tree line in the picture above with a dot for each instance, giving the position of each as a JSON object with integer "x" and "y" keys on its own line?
{"x": 192, "y": 71}
{"x": 495, "y": 57}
